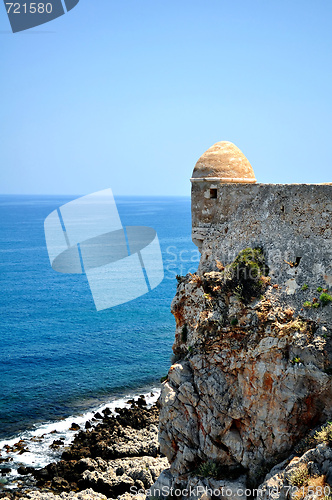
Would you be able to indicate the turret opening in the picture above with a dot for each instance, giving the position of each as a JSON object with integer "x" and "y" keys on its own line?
{"x": 213, "y": 193}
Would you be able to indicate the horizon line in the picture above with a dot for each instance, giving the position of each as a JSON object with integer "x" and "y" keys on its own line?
{"x": 116, "y": 195}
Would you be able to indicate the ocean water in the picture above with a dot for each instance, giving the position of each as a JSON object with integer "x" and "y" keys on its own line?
{"x": 59, "y": 357}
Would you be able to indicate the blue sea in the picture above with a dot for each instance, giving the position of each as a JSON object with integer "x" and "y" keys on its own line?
{"x": 61, "y": 359}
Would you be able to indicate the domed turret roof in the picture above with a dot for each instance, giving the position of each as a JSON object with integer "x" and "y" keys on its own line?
{"x": 225, "y": 162}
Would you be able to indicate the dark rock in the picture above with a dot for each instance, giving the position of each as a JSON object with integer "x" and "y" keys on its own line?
{"x": 60, "y": 484}
{"x": 4, "y": 471}
{"x": 23, "y": 450}
{"x": 84, "y": 464}
{"x": 76, "y": 453}
{"x": 88, "y": 425}
{"x": 141, "y": 401}
{"x": 37, "y": 438}
{"x": 74, "y": 427}
{"x": 56, "y": 444}
{"x": 19, "y": 445}
{"x": 24, "y": 471}
{"x": 41, "y": 474}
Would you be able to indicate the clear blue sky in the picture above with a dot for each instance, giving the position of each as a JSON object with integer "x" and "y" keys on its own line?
{"x": 128, "y": 94}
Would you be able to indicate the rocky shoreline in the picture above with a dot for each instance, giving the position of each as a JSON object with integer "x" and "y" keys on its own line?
{"x": 115, "y": 456}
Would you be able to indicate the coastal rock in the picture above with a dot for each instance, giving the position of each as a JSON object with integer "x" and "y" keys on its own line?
{"x": 74, "y": 427}
{"x": 120, "y": 452}
{"x": 23, "y": 471}
{"x": 132, "y": 432}
{"x": 251, "y": 379}
{"x": 88, "y": 494}
{"x": 124, "y": 475}
{"x": 133, "y": 443}
{"x": 197, "y": 488}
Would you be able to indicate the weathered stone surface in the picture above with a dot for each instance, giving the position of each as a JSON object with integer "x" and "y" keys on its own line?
{"x": 88, "y": 494}
{"x": 119, "y": 476}
{"x": 292, "y": 223}
{"x": 197, "y": 488}
{"x": 317, "y": 462}
{"x": 121, "y": 451}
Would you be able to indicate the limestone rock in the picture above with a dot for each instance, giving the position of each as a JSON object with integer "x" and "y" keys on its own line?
{"x": 252, "y": 379}
{"x": 121, "y": 451}
{"x": 88, "y": 494}
{"x": 315, "y": 464}
{"x": 197, "y": 488}
{"x": 119, "y": 477}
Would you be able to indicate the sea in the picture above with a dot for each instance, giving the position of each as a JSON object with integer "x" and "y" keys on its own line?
{"x": 61, "y": 360}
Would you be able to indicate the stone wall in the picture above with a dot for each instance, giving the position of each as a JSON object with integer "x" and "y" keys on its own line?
{"x": 291, "y": 223}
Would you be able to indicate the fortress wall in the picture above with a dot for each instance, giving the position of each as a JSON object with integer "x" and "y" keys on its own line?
{"x": 292, "y": 223}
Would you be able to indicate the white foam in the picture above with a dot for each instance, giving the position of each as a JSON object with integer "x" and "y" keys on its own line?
{"x": 40, "y": 454}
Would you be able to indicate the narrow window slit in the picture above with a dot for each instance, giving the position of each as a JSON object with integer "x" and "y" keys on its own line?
{"x": 213, "y": 193}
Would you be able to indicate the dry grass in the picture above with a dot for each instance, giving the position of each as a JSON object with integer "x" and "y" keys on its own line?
{"x": 219, "y": 265}
{"x": 313, "y": 485}
{"x": 194, "y": 278}
{"x": 300, "y": 476}
{"x": 291, "y": 326}
{"x": 289, "y": 312}
{"x": 266, "y": 280}
{"x": 325, "y": 434}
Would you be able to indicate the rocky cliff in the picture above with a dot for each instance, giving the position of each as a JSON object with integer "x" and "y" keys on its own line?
{"x": 251, "y": 375}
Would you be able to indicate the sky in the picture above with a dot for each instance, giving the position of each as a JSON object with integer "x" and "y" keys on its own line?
{"x": 129, "y": 94}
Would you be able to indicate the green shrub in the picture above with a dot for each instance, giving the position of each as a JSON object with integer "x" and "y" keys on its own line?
{"x": 163, "y": 379}
{"x": 209, "y": 469}
{"x": 319, "y": 289}
{"x": 217, "y": 471}
{"x": 325, "y": 298}
{"x": 246, "y": 272}
{"x": 307, "y": 304}
{"x": 304, "y": 287}
{"x": 234, "y": 321}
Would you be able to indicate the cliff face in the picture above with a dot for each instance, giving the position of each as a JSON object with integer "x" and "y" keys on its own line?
{"x": 252, "y": 374}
